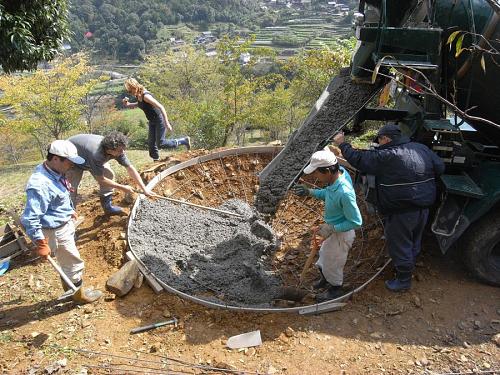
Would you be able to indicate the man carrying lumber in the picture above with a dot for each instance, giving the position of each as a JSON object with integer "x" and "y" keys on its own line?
{"x": 49, "y": 215}
{"x": 341, "y": 215}
{"x": 98, "y": 151}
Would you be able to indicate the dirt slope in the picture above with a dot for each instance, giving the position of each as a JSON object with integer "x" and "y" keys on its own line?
{"x": 445, "y": 324}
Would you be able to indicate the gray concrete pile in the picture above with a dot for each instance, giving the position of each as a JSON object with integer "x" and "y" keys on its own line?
{"x": 218, "y": 257}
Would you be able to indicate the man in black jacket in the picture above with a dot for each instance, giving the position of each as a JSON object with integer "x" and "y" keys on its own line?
{"x": 405, "y": 186}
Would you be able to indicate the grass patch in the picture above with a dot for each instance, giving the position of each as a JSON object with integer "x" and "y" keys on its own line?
{"x": 134, "y": 115}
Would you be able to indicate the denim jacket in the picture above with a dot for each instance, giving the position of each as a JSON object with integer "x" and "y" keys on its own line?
{"x": 48, "y": 203}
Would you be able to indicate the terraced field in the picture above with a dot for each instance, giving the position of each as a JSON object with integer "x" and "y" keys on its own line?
{"x": 303, "y": 33}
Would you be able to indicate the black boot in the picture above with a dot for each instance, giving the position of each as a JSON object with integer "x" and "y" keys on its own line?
{"x": 107, "y": 205}
{"x": 401, "y": 283}
{"x": 333, "y": 292}
{"x": 321, "y": 283}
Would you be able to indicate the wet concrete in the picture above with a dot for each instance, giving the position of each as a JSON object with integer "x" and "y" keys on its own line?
{"x": 344, "y": 100}
{"x": 217, "y": 257}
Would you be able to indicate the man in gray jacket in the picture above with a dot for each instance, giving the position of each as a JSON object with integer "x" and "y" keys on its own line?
{"x": 97, "y": 152}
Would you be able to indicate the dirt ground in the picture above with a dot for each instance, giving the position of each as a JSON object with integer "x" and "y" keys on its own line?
{"x": 445, "y": 324}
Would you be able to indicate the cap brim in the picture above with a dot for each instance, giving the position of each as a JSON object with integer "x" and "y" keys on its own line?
{"x": 77, "y": 160}
{"x": 309, "y": 169}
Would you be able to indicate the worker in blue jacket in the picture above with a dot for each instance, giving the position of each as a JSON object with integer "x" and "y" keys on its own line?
{"x": 341, "y": 216}
{"x": 405, "y": 187}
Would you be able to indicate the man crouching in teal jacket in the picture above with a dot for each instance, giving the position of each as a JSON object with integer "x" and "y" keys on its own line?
{"x": 341, "y": 216}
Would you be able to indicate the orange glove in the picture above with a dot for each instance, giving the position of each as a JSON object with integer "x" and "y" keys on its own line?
{"x": 42, "y": 248}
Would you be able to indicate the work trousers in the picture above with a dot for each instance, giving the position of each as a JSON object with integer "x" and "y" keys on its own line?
{"x": 403, "y": 235}
{"x": 157, "y": 140}
{"x": 333, "y": 255}
{"x": 63, "y": 247}
{"x": 74, "y": 176}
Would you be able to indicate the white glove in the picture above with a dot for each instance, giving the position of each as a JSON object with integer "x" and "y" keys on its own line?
{"x": 326, "y": 230}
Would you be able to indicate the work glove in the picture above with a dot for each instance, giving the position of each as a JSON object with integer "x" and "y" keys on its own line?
{"x": 326, "y": 230}
{"x": 42, "y": 248}
{"x": 300, "y": 190}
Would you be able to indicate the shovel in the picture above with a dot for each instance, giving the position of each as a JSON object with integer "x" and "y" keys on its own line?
{"x": 195, "y": 205}
{"x": 312, "y": 254}
{"x": 79, "y": 295}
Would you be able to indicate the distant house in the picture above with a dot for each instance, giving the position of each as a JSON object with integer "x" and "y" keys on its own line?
{"x": 245, "y": 58}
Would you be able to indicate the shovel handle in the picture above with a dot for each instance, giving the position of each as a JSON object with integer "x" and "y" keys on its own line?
{"x": 158, "y": 196}
{"x": 61, "y": 273}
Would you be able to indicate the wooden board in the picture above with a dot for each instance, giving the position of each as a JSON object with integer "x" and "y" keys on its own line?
{"x": 157, "y": 288}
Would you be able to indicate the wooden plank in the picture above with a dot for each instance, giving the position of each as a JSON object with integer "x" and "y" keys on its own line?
{"x": 157, "y": 288}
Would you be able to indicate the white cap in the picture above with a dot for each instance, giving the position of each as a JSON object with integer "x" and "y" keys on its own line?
{"x": 67, "y": 150}
{"x": 323, "y": 158}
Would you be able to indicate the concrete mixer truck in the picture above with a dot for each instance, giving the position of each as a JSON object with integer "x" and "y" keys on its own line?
{"x": 441, "y": 59}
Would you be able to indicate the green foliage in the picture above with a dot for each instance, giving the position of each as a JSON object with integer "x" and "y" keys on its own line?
{"x": 31, "y": 32}
{"x": 313, "y": 69}
{"x": 124, "y": 30}
{"x": 288, "y": 40}
{"x": 48, "y": 104}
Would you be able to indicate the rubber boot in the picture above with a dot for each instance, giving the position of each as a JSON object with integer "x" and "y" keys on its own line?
{"x": 401, "y": 283}
{"x": 321, "y": 283}
{"x": 68, "y": 292}
{"x": 333, "y": 292}
{"x": 86, "y": 295}
{"x": 186, "y": 141}
{"x": 107, "y": 205}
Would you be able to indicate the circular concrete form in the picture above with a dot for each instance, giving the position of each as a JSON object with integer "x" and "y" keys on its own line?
{"x": 189, "y": 250}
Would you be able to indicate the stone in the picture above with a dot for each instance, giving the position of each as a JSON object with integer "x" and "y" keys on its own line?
{"x": 289, "y": 332}
{"x": 477, "y": 324}
{"x": 271, "y": 370}
{"x": 88, "y": 309}
{"x": 180, "y": 175}
{"x": 417, "y": 301}
{"x": 496, "y": 339}
{"x": 250, "y": 352}
{"x": 122, "y": 281}
{"x": 198, "y": 194}
{"x": 139, "y": 280}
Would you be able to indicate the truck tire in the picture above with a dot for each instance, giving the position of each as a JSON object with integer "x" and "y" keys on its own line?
{"x": 481, "y": 249}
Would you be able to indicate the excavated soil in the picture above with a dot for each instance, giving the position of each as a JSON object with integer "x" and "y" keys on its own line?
{"x": 344, "y": 100}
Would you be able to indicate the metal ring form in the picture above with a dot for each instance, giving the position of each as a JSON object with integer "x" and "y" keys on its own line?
{"x": 317, "y": 308}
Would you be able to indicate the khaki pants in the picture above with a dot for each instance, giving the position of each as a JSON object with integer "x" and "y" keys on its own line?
{"x": 333, "y": 255}
{"x": 74, "y": 175}
{"x": 62, "y": 246}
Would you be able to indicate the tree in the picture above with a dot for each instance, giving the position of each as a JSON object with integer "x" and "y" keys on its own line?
{"x": 48, "y": 103}
{"x": 30, "y": 32}
{"x": 189, "y": 85}
{"x": 312, "y": 70}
